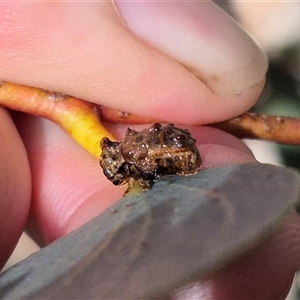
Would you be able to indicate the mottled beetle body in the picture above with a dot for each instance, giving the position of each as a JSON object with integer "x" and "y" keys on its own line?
{"x": 148, "y": 154}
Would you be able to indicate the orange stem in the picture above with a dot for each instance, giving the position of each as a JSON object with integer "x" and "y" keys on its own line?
{"x": 81, "y": 119}
{"x": 78, "y": 118}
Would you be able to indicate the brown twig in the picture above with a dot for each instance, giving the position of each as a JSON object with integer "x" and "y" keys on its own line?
{"x": 283, "y": 130}
{"x": 82, "y": 121}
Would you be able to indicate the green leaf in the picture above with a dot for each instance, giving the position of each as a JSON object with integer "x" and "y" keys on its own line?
{"x": 150, "y": 243}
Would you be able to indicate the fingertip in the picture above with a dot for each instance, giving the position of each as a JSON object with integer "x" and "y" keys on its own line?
{"x": 101, "y": 60}
{"x": 216, "y": 147}
{"x": 69, "y": 187}
{"x": 229, "y": 65}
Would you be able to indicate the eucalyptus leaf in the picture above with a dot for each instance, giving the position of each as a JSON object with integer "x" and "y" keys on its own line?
{"x": 150, "y": 243}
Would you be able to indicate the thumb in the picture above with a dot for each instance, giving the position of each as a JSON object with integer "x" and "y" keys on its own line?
{"x": 86, "y": 50}
{"x": 210, "y": 44}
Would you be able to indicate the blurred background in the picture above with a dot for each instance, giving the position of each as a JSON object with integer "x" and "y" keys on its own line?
{"x": 275, "y": 27}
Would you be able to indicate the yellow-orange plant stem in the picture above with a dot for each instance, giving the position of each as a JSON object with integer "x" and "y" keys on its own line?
{"x": 80, "y": 119}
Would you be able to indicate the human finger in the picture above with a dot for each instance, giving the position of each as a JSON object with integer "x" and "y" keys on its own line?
{"x": 15, "y": 186}
{"x": 208, "y": 43}
{"x": 69, "y": 187}
{"x": 100, "y": 59}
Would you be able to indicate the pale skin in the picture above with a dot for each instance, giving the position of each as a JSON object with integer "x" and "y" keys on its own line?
{"x": 99, "y": 59}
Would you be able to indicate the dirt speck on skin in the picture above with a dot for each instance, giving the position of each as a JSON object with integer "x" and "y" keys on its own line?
{"x": 215, "y": 78}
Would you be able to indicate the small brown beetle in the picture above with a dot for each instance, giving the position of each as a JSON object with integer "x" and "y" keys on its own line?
{"x": 148, "y": 154}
